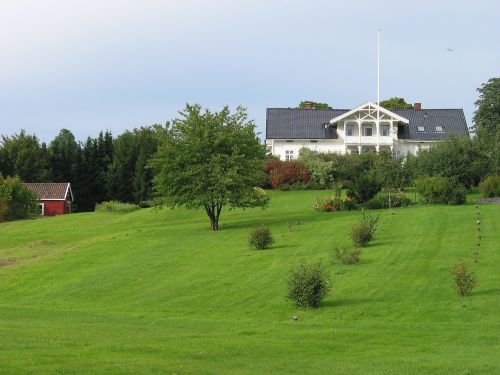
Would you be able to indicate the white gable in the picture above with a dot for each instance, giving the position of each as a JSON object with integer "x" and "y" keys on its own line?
{"x": 370, "y": 111}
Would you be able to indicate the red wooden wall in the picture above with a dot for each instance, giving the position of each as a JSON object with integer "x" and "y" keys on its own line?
{"x": 55, "y": 208}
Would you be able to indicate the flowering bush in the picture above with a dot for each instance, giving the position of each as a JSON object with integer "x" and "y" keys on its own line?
{"x": 286, "y": 172}
{"x": 334, "y": 204}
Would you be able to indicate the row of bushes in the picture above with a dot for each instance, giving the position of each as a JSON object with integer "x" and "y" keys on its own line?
{"x": 16, "y": 201}
{"x": 116, "y": 207}
{"x": 381, "y": 200}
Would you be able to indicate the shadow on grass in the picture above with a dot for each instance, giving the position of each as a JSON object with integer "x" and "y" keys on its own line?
{"x": 346, "y": 302}
{"x": 486, "y": 292}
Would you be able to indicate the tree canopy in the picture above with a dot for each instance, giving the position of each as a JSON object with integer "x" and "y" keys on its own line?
{"x": 209, "y": 160}
{"x": 487, "y": 121}
{"x": 395, "y": 103}
{"x": 314, "y": 105}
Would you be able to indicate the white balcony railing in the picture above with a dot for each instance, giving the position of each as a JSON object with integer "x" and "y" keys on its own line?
{"x": 368, "y": 140}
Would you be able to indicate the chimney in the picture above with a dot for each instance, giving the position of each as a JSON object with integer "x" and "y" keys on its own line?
{"x": 308, "y": 105}
{"x": 417, "y": 106}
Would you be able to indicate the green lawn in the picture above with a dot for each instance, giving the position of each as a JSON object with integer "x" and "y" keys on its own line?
{"x": 158, "y": 292}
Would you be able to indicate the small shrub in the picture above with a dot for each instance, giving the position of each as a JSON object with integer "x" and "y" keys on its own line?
{"x": 346, "y": 255}
{"x": 364, "y": 186}
{"x": 334, "y": 204}
{"x": 439, "y": 189}
{"x": 464, "y": 279}
{"x": 261, "y": 238}
{"x": 381, "y": 200}
{"x": 363, "y": 233}
{"x": 490, "y": 186}
{"x": 116, "y": 207}
{"x": 308, "y": 284}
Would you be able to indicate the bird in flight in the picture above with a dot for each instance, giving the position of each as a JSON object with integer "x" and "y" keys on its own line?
{"x": 449, "y": 49}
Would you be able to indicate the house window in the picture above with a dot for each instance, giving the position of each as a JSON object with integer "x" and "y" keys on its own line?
{"x": 384, "y": 130}
{"x": 288, "y": 155}
{"x": 368, "y": 131}
{"x": 420, "y": 129}
{"x": 313, "y": 141}
{"x": 349, "y": 131}
{"x": 439, "y": 129}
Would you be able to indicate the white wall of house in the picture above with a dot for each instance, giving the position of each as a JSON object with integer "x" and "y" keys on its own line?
{"x": 290, "y": 150}
{"x": 404, "y": 147}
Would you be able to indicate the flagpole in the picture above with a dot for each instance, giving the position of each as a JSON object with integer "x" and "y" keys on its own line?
{"x": 378, "y": 66}
{"x": 378, "y": 90}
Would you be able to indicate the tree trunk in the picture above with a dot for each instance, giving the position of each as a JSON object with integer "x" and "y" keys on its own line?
{"x": 213, "y": 212}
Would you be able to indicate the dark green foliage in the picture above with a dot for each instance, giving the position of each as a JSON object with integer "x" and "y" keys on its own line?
{"x": 387, "y": 200}
{"x": 95, "y": 158}
{"x": 464, "y": 279}
{"x": 23, "y": 155}
{"x": 314, "y": 105}
{"x": 16, "y": 201}
{"x": 129, "y": 178}
{"x": 346, "y": 255}
{"x": 487, "y": 122}
{"x": 209, "y": 160}
{"x": 261, "y": 238}
{"x": 363, "y": 232}
{"x": 490, "y": 186}
{"x": 364, "y": 187}
{"x": 63, "y": 151}
{"x": 308, "y": 284}
{"x": 441, "y": 190}
{"x": 395, "y": 103}
{"x": 459, "y": 157}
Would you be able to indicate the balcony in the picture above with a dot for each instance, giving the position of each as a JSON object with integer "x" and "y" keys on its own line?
{"x": 365, "y": 140}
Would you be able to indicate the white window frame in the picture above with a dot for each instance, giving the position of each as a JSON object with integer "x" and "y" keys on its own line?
{"x": 349, "y": 127}
{"x": 289, "y": 155}
{"x": 385, "y": 126}
{"x": 365, "y": 128}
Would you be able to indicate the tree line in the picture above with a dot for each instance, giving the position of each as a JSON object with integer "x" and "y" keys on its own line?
{"x": 99, "y": 169}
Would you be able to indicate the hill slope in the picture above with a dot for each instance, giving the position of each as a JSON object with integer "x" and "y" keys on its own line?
{"x": 158, "y": 292}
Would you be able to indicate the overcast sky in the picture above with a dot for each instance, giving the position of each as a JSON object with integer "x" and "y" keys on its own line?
{"x": 106, "y": 64}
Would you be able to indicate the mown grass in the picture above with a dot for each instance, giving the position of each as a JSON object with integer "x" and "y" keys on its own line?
{"x": 158, "y": 292}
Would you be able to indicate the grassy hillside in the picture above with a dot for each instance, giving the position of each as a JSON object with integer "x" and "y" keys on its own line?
{"x": 158, "y": 292}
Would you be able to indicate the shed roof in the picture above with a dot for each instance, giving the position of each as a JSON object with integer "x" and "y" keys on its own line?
{"x": 51, "y": 190}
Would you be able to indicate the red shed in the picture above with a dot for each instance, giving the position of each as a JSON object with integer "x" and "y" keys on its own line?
{"x": 54, "y": 198}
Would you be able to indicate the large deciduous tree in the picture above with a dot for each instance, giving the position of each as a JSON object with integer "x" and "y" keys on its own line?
{"x": 209, "y": 160}
{"x": 395, "y": 103}
{"x": 313, "y": 105}
{"x": 487, "y": 121}
{"x": 23, "y": 155}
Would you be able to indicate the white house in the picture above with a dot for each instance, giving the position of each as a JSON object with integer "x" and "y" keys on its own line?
{"x": 367, "y": 128}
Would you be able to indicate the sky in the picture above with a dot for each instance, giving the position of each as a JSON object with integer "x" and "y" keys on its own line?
{"x": 118, "y": 64}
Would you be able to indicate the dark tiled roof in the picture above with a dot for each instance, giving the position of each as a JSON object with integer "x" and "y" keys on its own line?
{"x": 452, "y": 121}
{"x": 295, "y": 123}
{"x": 48, "y": 191}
